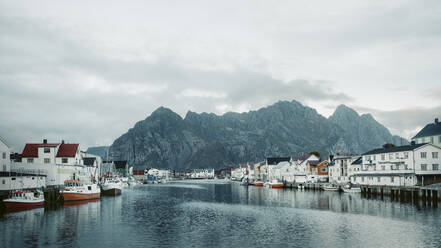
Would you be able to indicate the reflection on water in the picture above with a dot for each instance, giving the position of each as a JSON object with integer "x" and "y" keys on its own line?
{"x": 207, "y": 213}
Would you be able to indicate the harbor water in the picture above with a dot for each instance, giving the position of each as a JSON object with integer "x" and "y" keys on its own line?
{"x": 224, "y": 214}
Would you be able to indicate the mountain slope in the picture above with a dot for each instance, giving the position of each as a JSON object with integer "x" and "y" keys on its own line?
{"x": 165, "y": 140}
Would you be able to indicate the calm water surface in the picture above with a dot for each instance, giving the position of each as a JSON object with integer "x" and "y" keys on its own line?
{"x": 220, "y": 214}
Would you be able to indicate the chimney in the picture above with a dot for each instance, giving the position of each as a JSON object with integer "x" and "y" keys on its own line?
{"x": 45, "y": 141}
{"x": 436, "y": 121}
{"x": 62, "y": 141}
{"x": 331, "y": 157}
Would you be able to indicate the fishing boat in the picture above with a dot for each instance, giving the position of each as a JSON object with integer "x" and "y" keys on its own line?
{"x": 111, "y": 186}
{"x": 21, "y": 199}
{"x": 244, "y": 182}
{"x": 275, "y": 184}
{"x": 77, "y": 190}
{"x": 331, "y": 187}
{"x": 258, "y": 183}
{"x": 351, "y": 189}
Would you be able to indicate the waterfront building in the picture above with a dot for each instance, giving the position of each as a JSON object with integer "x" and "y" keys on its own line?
{"x": 4, "y": 156}
{"x": 58, "y": 161}
{"x": 410, "y": 165}
{"x": 317, "y": 171}
{"x": 13, "y": 180}
{"x": 251, "y": 172}
{"x": 354, "y": 168}
{"x": 287, "y": 172}
{"x": 339, "y": 167}
{"x": 431, "y": 133}
{"x": 300, "y": 171}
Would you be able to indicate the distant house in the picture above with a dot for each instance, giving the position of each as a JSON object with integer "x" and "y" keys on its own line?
{"x": 431, "y": 133}
{"x": 339, "y": 168}
{"x": 317, "y": 171}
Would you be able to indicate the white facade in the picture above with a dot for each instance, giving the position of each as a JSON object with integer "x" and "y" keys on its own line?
{"x": 5, "y": 160}
{"x": 339, "y": 169}
{"x": 402, "y": 166}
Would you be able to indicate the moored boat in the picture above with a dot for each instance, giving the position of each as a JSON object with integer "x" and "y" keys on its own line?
{"x": 21, "y": 199}
{"x": 77, "y": 190}
{"x": 331, "y": 187}
{"x": 275, "y": 184}
{"x": 350, "y": 189}
{"x": 111, "y": 187}
{"x": 258, "y": 184}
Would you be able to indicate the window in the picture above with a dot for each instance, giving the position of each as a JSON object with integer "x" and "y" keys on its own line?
{"x": 420, "y": 140}
{"x": 4, "y": 155}
{"x": 362, "y": 179}
{"x": 47, "y": 150}
{"x": 382, "y": 157}
{"x": 323, "y": 169}
{"x": 431, "y": 140}
{"x": 383, "y": 167}
{"x": 423, "y": 167}
{"x": 64, "y": 160}
{"x": 368, "y": 158}
{"x": 4, "y": 167}
{"x": 392, "y": 179}
{"x": 406, "y": 155}
{"x": 423, "y": 154}
{"x": 30, "y": 160}
{"x": 391, "y": 155}
{"x": 435, "y": 167}
{"x": 47, "y": 160}
{"x": 439, "y": 139}
{"x": 378, "y": 179}
{"x": 434, "y": 154}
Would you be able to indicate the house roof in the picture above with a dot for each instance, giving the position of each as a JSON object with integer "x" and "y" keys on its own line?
{"x": 274, "y": 161}
{"x": 358, "y": 161}
{"x": 429, "y": 130}
{"x": 67, "y": 150}
{"x": 89, "y": 161}
{"x": 314, "y": 162}
{"x": 120, "y": 164}
{"x": 395, "y": 149}
{"x": 31, "y": 150}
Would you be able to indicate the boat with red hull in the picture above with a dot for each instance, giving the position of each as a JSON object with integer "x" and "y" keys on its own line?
{"x": 22, "y": 199}
{"x": 78, "y": 190}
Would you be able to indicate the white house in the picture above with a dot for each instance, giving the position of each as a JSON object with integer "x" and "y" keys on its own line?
{"x": 11, "y": 180}
{"x": 301, "y": 168}
{"x": 59, "y": 162}
{"x": 4, "y": 156}
{"x": 339, "y": 168}
{"x": 410, "y": 165}
{"x": 431, "y": 133}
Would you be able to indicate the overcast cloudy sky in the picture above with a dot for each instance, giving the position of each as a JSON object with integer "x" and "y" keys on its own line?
{"x": 87, "y": 71}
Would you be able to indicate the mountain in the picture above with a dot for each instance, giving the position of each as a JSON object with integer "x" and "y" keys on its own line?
{"x": 166, "y": 140}
{"x": 99, "y": 151}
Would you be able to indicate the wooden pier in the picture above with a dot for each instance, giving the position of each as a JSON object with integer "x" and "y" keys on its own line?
{"x": 403, "y": 193}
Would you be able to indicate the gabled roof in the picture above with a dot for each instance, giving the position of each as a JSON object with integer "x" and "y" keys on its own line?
{"x": 31, "y": 150}
{"x": 89, "y": 161}
{"x": 67, "y": 150}
{"x": 6, "y": 144}
{"x": 314, "y": 162}
{"x": 358, "y": 161}
{"x": 274, "y": 161}
{"x": 429, "y": 130}
{"x": 395, "y": 149}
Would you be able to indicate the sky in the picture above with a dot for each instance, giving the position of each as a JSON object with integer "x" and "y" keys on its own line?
{"x": 87, "y": 71}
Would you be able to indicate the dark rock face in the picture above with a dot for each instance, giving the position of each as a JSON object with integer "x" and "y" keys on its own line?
{"x": 99, "y": 151}
{"x": 165, "y": 140}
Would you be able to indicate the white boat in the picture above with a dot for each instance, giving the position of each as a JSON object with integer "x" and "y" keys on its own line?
{"x": 23, "y": 199}
{"x": 349, "y": 189}
{"x": 331, "y": 187}
{"x": 111, "y": 186}
{"x": 77, "y": 190}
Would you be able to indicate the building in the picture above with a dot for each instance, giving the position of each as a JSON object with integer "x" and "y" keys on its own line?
{"x": 58, "y": 161}
{"x": 5, "y": 154}
{"x": 431, "y": 133}
{"x": 14, "y": 180}
{"x": 317, "y": 171}
{"x": 354, "y": 168}
{"x": 339, "y": 166}
{"x": 410, "y": 165}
